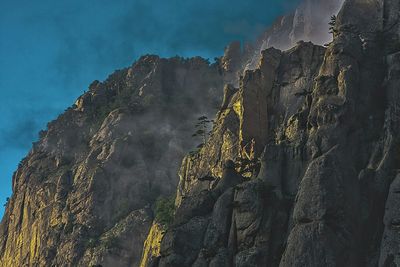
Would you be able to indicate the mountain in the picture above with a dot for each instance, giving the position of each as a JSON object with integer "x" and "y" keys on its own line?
{"x": 85, "y": 190}
{"x": 304, "y": 156}
{"x": 299, "y": 168}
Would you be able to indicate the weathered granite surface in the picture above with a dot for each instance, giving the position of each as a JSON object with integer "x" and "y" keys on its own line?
{"x": 301, "y": 167}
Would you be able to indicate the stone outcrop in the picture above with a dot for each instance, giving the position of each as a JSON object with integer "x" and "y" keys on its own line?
{"x": 266, "y": 100}
{"x": 84, "y": 194}
{"x": 300, "y": 167}
{"x": 151, "y": 248}
{"x": 314, "y": 132}
{"x": 308, "y": 22}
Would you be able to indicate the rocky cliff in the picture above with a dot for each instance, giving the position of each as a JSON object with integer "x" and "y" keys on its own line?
{"x": 84, "y": 194}
{"x": 308, "y": 22}
{"x": 300, "y": 167}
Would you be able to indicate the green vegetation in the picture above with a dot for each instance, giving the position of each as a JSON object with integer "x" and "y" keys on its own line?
{"x": 201, "y": 127}
{"x": 7, "y": 200}
{"x": 164, "y": 210}
{"x": 332, "y": 25}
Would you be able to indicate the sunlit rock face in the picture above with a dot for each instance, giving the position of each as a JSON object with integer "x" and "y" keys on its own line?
{"x": 265, "y": 118}
{"x": 300, "y": 167}
{"x": 83, "y": 196}
{"x": 314, "y": 134}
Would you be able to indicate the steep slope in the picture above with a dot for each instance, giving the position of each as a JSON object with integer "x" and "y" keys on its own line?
{"x": 236, "y": 217}
{"x": 300, "y": 169}
{"x": 302, "y": 166}
{"x": 83, "y": 195}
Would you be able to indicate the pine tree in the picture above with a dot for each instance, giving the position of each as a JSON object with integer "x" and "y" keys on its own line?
{"x": 332, "y": 25}
{"x": 7, "y": 200}
{"x": 201, "y": 129}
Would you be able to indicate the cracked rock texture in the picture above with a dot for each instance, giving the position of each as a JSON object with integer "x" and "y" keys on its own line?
{"x": 83, "y": 195}
{"x": 314, "y": 133}
{"x": 301, "y": 167}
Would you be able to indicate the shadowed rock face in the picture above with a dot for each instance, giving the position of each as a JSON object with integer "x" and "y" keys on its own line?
{"x": 300, "y": 168}
{"x": 314, "y": 132}
{"x": 266, "y": 111}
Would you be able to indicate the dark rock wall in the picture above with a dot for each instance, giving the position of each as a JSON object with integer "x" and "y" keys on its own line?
{"x": 323, "y": 127}
{"x": 300, "y": 168}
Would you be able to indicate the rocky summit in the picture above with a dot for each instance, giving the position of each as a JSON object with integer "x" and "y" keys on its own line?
{"x": 298, "y": 162}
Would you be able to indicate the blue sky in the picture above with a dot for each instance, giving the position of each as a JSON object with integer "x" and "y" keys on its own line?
{"x": 50, "y": 51}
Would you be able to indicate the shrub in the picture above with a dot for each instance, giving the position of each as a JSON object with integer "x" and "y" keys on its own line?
{"x": 164, "y": 210}
{"x": 7, "y": 200}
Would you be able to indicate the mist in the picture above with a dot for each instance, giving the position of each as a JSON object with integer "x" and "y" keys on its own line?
{"x": 51, "y": 51}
